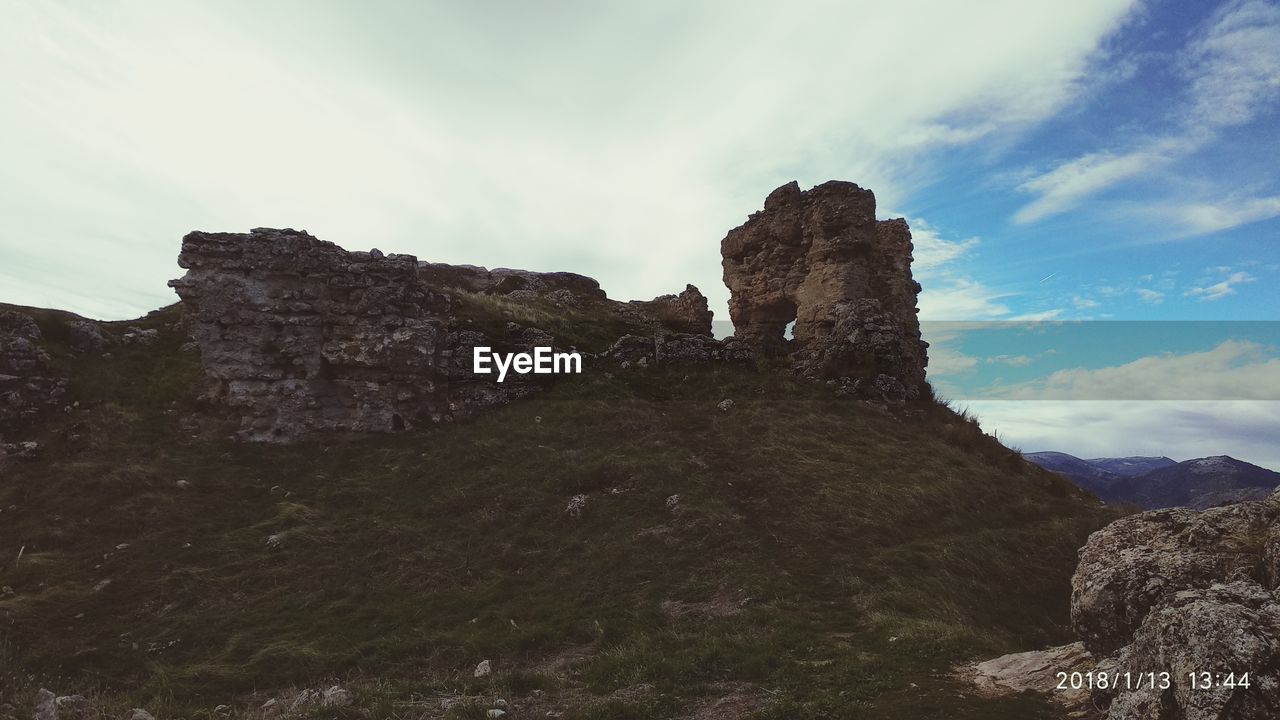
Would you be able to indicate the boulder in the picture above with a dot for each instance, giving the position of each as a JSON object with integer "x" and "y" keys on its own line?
{"x": 1227, "y": 628}
{"x": 1036, "y": 671}
{"x": 86, "y": 337}
{"x": 1184, "y": 591}
{"x": 1135, "y": 563}
{"x": 46, "y": 705}
{"x": 140, "y": 336}
{"x": 1172, "y": 593}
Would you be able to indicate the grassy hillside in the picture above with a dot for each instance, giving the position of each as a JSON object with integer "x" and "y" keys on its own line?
{"x": 823, "y": 559}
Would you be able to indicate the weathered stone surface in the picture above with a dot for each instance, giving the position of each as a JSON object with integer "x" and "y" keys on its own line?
{"x": 140, "y": 336}
{"x": 677, "y": 349}
{"x": 1177, "y": 591}
{"x": 298, "y": 335}
{"x": 75, "y": 707}
{"x": 1135, "y": 563}
{"x": 684, "y": 313}
{"x": 562, "y": 286}
{"x": 820, "y": 258}
{"x": 46, "y": 705}
{"x": 1036, "y": 671}
{"x": 28, "y": 386}
{"x": 1182, "y": 591}
{"x": 86, "y": 337}
{"x": 1225, "y": 628}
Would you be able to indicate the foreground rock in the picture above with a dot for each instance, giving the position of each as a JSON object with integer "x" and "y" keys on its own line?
{"x": 821, "y": 259}
{"x": 1191, "y": 597}
{"x": 1037, "y": 671}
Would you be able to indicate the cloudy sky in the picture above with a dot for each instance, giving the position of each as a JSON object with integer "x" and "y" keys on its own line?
{"x": 1094, "y": 160}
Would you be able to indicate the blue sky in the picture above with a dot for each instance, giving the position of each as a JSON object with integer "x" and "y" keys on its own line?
{"x": 1153, "y": 195}
{"x": 1095, "y": 160}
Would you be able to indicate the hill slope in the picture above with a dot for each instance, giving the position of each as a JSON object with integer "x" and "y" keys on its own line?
{"x": 798, "y": 555}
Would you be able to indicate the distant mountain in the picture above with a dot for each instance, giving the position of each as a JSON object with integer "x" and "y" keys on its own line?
{"x": 1088, "y": 474}
{"x": 1156, "y": 482}
{"x": 1132, "y": 466}
{"x": 1199, "y": 483}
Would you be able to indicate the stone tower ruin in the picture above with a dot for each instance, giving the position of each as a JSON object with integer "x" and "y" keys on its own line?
{"x": 821, "y": 259}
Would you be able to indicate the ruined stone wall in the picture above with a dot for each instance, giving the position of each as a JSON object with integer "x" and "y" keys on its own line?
{"x": 297, "y": 335}
{"x": 684, "y": 313}
{"x": 820, "y": 257}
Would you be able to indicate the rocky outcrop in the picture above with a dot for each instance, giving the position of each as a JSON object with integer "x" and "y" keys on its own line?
{"x": 1183, "y": 592}
{"x": 1167, "y": 594}
{"x": 1224, "y": 629}
{"x": 298, "y": 335}
{"x": 29, "y": 386}
{"x": 684, "y": 313}
{"x": 821, "y": 259}
{"x": 1137, "y": 563}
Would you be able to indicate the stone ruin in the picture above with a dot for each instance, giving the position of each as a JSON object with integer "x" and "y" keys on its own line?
{"x": 299, "y": 335}
{"x": 819, "y": 258}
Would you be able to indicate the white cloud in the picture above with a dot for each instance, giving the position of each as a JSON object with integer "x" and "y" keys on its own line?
{"x": 948, "y": 294}
{"x": 618, "y": 140}
{"x": 1234, "y": 370}
{"x": 1232, "y": 71}
{"x": 1039, "y": 316}
{"x": 945, "y": 361}
{"x": 1084, "y": 303}
{"x": 1234, "y": 67}
{"x": 961, "y": 299}
{"x": 1205, "y": 218}
{"x": 1150, "y": 296}
{"x": 1101, "y": 428}
{"x": 1011, "y": 360}
{"x": 1219, "y": 290}
{"x": 932, "y": 253}
{"x": 1066, "y": 185}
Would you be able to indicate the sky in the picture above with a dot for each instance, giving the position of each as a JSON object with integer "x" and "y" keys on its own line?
{"x": 1093, "y": 161}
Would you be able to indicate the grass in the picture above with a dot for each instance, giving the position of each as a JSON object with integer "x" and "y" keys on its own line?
{"x": 591, "y": 325}
{"x": 823, "y": 559}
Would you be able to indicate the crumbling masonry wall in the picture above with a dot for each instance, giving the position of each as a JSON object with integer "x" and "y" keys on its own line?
{"x": 300, "y": 335}
{"x": 820, "y": 258}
